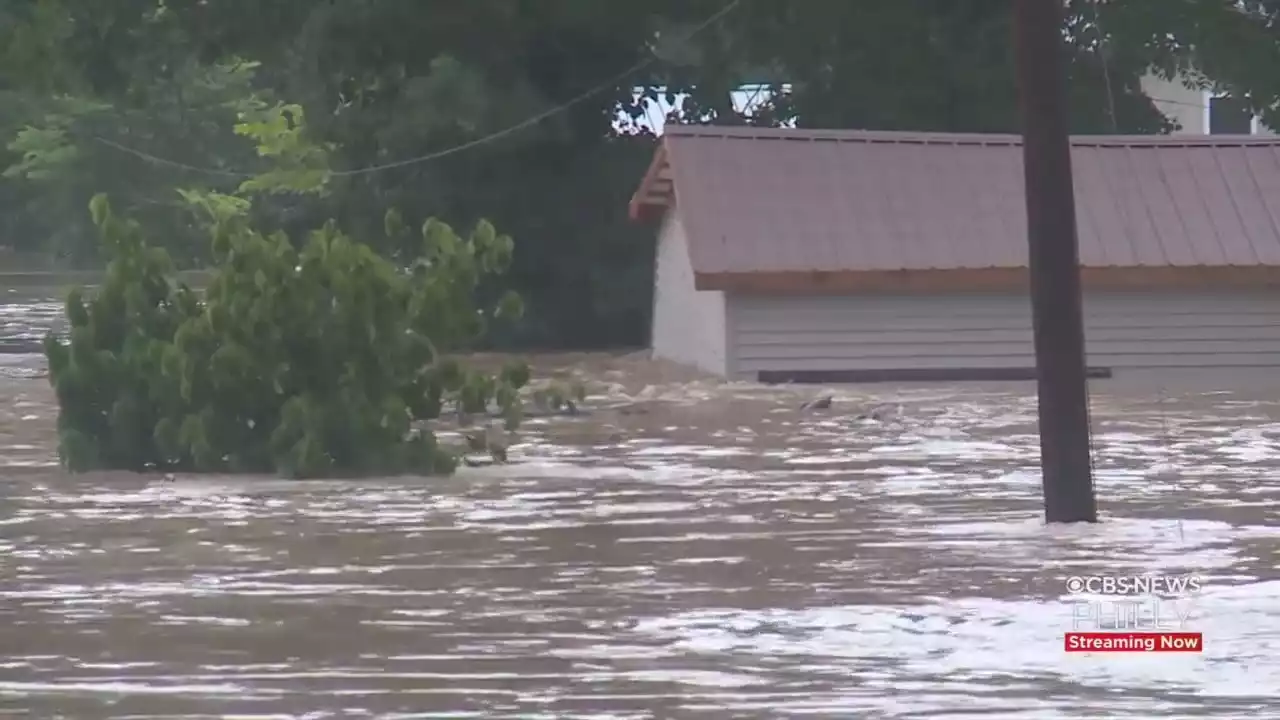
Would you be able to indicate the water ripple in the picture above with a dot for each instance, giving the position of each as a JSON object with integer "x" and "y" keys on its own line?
{"x": 730, "y": 557}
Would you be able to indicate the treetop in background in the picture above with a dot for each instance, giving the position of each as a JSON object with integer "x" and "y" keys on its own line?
{"x": 224, "y": 87}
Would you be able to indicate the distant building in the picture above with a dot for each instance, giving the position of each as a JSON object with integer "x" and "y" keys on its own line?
{"x": 747, "y": 99}
{"x": 1199, "y": 111}
{"x": 850, "y": 256}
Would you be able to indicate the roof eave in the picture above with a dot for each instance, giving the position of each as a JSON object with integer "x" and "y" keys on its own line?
{"x": 655, "y": 190}
{"x": 990, "y": 279}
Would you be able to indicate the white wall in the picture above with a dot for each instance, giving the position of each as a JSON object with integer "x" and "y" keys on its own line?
{"x": 1187, "y": 106}
{"x": 688, "y": 324}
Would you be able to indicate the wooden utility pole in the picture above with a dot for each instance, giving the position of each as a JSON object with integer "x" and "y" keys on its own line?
{"x": 1057, "y": 317}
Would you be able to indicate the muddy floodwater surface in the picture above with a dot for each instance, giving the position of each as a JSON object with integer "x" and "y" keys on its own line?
{"x": 707, "y": 551}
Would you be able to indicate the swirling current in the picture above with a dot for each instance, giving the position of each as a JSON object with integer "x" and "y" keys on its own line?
{"x": 712, "y": 552}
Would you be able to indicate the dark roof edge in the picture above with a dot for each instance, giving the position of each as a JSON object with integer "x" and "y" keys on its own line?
{"x": 952, "y": 139}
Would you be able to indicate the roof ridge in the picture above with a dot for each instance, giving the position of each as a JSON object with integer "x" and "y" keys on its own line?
{"x": 889, "y": 201}
{"x": 943, "y": 138}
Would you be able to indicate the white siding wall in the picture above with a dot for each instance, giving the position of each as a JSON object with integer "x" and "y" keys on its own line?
{"x": 1124, "y": 331}
{"x": 688, "y": 324}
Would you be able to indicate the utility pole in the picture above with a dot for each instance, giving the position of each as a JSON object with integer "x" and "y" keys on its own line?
{"x": 1057, "y": 317}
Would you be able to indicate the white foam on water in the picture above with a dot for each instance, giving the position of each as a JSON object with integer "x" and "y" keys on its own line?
{"x": 750, "y": 561}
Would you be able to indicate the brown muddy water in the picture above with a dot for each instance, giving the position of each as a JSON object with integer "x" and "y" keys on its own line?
{"x": 714, "y": 554}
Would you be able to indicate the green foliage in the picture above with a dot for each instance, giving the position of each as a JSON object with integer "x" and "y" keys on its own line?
{"x": 43, "y": 151}
{"x": 317, "y": 360}
{"x": 202, "y": 84}
{"x": 300, "y": 166}
{"x": 60, "y": 152}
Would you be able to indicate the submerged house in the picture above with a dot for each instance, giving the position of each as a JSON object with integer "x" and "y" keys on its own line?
{"x": 851, "y": 256}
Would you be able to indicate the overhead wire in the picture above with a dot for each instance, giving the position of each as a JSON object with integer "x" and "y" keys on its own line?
{"x": 1160, "y": 406}
{"x": 537, "y": 118}
{"x": 1115, "y": 129}
{"x": 1106, "y": 67}
{"x": 1165, "y": 438}
{"x": 528, "y": 122}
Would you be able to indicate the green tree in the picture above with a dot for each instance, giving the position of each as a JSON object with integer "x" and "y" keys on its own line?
{"x": 386, "y": 80}
{"x": 317, "y": 360}
{"x": 82, "y": 80}
{"x": 309, "y": 357}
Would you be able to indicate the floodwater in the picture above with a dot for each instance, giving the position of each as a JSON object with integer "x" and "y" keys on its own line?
{"x": 713, "y": 552}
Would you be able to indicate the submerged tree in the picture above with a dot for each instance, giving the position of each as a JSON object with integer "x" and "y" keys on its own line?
{"x": 310, "y": 357}
{"x": 312, "y": 360}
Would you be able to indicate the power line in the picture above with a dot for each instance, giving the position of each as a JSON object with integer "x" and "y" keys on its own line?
{"x": 1183, "y": 103}
{"x": 605, "y": 86}
{"x": 1115, "y": 128}
{"x": 171, "y": 163}
{"x": 1106, "y": 67}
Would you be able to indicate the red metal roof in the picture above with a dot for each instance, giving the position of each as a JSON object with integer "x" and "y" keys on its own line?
{"x": 769, "y": 200}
